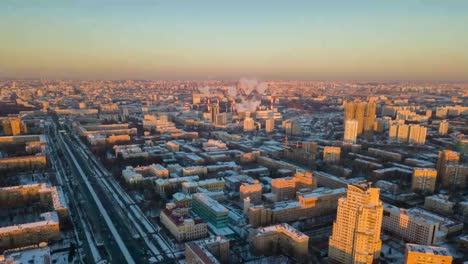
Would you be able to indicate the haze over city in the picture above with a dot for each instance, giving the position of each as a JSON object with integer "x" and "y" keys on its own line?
{"x": 310, "y": 40}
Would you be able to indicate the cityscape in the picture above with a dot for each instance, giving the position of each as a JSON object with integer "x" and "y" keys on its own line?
{"x": 114, "y": 149}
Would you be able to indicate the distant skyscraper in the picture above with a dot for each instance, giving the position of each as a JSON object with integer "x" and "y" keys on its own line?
{"x": 417, "y": 134}
{"x": 221, "y": 119}
{"x": 349, "y": 110}
{"x": 359, "y": 116}
{"x": 214, "y": 110}
{"x": 393, "y": 132}
{"x": 249, "y": 124}
{"x": 350, "y": 131}
{"x": 414, "y": 134}
{"x": 443, "y": 127}
{"x": 269, "y": 125}
{"x": 403, "y": 132}
{"x": 369, "y": 119}
{"x": 356, "y": 230}
{"x": 292, "y": 127}
{"x": 364, "y": 113}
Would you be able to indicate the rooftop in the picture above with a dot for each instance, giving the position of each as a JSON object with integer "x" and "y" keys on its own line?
{"x": 210, "y": 203}
{"x": 285, "y": 229}
{"x": 438, "y": 251}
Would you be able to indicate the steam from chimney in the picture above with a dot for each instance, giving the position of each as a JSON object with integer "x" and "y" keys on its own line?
{"x": 204, "y": 90}
{"x": 247, "y": 94}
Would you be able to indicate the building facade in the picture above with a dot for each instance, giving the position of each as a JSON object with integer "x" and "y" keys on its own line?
{"x": 424, "y": 180}
{"x": 356, "y": 231}
{"x": 281, "y": 238}
{"x": 210, "y": 210}
{"x": 420, "y": 254}
{"x": 350, "y": 130}
{"x": 181, "y": 224}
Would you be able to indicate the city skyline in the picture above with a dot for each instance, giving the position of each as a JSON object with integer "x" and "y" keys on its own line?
{"x": 229, "y": 132}
{"x": 363, "y": 40}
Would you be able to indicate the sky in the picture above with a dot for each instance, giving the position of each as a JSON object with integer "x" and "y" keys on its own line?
{"x": 194, "y": 39}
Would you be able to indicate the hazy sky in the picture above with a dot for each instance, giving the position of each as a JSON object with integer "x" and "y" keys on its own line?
{"x": 195, "y": 39}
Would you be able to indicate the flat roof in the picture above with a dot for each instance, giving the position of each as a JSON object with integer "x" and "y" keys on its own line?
{"x": 438, "y": 251}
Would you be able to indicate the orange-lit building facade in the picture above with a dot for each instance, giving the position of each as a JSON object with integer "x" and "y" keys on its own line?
{"x": 419, "y": 254}
{"x": 356, "y": 231}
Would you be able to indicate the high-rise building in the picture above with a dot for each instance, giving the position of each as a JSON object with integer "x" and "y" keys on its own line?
{"x": 292, "y": 127}
{"x": 414, "y": 134}
{"x": 269, "y": 125}
{"x": 417, "y": 134}
{"x": 356, "y": 230}
{"x": 364, "y": 113}
{"x": 213, "y": 250}
{"x": 443, "y": 127}
{"x": 331, "y": 154}
{"x": 393, "y": 132}
{"x": 359, "y": 116}
{"x": 13, "y": 126}
{"x": 369, "y": 119}
{"x": 221, "y": 119}
{"x": 451, "y": 174}
{"x": 350, "y": 130}
{"x": 420, "y": 254}
{"x": 249, "y": 123}
{"x": 424, "y": 180}
{"x": 214, "y": 111}
{"x": 181, "y": 225}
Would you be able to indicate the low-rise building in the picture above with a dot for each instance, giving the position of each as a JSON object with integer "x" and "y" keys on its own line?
{"x": 209, "y": 184}
{"x": 210, "y": 210}
{"x": 420, "y": 254}
{"x": 45, "y": 230}
{"x": 439, "y": 204}
{"x": 144, "y": 173}
{"x": 181, "y": 224}
{"x": 318, "y": 204}
{"x": 285, "y": 188}
{"x": 214, "y": 250}
{"x": 417, "y": 225}
{"x": 281, "y": 238}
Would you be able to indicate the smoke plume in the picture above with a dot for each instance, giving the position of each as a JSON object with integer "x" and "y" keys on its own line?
{"x": 247, "y": 93}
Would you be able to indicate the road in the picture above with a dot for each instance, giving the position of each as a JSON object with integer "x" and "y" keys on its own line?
{"x": 112, "y": 226}
{"x": 97, "y": 200}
